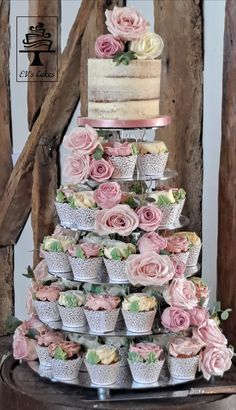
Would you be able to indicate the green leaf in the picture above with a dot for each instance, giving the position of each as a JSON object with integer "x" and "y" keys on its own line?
{"x": 30, "y": 273}
{"x": 71, "y": 300}
{"x": 32, "y": 333}
{"x": 98, "y": 153}
{"x": 163, "y": 200}
{"x": 134, "y": 306}
{"x": 132, "y": 202}
{"x": 150, "y": 200}
{"x": 12, "y": 323}
{"x": 92, "y": 358}
{"x": 116, "y": 254}
{"x": 124, "y": 57}
{"x": 56, "y": 247}
{"x": 135, "y": 357}
{"x": 225, "y": 314}
{"x": 60, "y": 197}
{"x": 202, "y": 300}
{"x": 134, "y": 149}
{"x": 138, "y": 187}
{"x": 179, "y": 195}
{"x": 59, "y": 354}
{"x": 97, "y": 289}
{"x": 151, "y": 357}
{"x": 80, "y": 253}
{"x": 71, "y": 202}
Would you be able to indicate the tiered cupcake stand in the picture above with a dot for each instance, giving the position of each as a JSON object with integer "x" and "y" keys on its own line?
{"x": 125, "y": 381}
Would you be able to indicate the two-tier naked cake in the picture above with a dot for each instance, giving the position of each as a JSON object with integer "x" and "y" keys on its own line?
{"x": 123, "y": 91}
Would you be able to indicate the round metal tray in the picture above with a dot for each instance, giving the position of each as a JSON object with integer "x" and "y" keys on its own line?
{"x": 119, "y": 125}
{"x": 168, "y": 174}
{"x": 118, "y": 332}
{"x": 124, "y": 380}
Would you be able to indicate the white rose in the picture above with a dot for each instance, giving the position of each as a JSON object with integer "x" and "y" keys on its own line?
{"x": 149, "y": 46}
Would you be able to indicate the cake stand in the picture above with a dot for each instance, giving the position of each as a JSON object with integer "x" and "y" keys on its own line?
{"x": 125, "y": 381}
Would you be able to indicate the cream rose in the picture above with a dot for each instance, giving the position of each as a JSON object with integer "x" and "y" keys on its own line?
{"x": 149, "y": 46}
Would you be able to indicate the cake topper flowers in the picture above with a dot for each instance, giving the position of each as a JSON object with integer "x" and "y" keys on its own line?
{"x": 129, "y": 38}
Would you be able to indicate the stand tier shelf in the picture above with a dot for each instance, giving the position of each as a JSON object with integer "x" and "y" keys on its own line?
{"x": 120, "y": 125}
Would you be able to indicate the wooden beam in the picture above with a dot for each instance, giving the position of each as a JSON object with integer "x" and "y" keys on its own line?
{"x": 226, "y": 284}
{"x": 95, "y": 27}
{"x": 6, "y": 253}
{"x": 43, "y": 215}
{"x": 55, "y": 114}
{"x": 180, "y": 24}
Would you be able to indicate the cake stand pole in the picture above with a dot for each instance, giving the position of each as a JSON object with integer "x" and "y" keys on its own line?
{"x": 103, "y": 393}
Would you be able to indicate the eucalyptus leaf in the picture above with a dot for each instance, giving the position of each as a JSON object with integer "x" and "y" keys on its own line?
{"x": 98, "y": 153}
{"x": 60, "y": 197}
{"x": 12, "y": 323}
{"x": 32, "y": 333}
{"x": 224, "y": 315}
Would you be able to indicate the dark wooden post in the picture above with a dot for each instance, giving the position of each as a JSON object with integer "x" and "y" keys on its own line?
{"x": 6, "y": 252}
{"x": 180, "y": 24}
{"x": 226, "y": 285}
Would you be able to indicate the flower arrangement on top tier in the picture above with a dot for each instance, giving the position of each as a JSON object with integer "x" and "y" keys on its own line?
{"x": 129, "y": 37}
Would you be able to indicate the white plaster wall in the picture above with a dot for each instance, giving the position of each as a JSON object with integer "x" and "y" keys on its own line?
{"x": 214, "y": 23}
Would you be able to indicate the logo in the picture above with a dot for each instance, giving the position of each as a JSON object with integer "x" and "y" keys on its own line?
{"x": 37, "y": 58}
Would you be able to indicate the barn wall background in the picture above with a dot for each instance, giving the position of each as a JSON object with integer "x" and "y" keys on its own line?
{"x": 213, "y": 54}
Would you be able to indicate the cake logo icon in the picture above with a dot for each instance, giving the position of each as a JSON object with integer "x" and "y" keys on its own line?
{"x": 37, "y": 51}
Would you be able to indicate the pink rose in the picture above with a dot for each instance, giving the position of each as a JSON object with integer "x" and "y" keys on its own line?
{"x": 121, "y": 219}
{"x": 177, "y": 244}
{"x": 175, "y": 319}
{"x": 108, "y": 195}
{"x": 144, "y": 348}
{"x": 214, "y": 361}
{"x": 90, "y": 249}
{"x": 82, "y": 139}
{"x": 198, "y": 316}
{"x": 47, "y": 293}
{"x": 209, "y": 334}
{"x": 100, "y": 170}
{"x": 115, "y": 149}
{"x": 29, "y": 301}
{"x": 179, "y": 266}
{"x": 151, "y": 241}
{"x": 184, "y": 346}
{"x": 40, "y": 271}
{"x": 106, "y": 46}
{"x": 77, "y": 167}
{"x": 149, "y": 268}
{"x": 23, "y": 347}
{"x": 180, "y": 293}
{"x": 149, "y": 217}
{"x": 125, "y": 23}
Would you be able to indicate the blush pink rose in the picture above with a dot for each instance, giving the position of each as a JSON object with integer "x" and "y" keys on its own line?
{"x": 214, "y": 361}
{"x": 209, "y": 334}
{"x": 76, "y": 167}
{"x": 82, "y": 139}
{"x": 108, "y": 195}
{"x": 180, "y": 293}
{"x": 151, "y": 241}
{"x": 144, "y": 348}
{"x": 177, "y": 244}
{"x": 125, "y": 23}
{"x": 24, "y": 348}
{"x": 100, "y": 170}
{"x": 149, "y": 268}
{"x": 121, "y": 219}
{"x": 107, "y": 46}
{"x": 115, "y": 149}
{"x": 175, "y": 319}
{"x": 41, "y": 271}
{"x": 149, "y": 217}
{"x": 198, "y": 316}
{"x": 179, "y": 266}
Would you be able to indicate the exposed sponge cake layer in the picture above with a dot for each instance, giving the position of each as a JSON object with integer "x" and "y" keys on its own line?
{"x": 124, "y": 110}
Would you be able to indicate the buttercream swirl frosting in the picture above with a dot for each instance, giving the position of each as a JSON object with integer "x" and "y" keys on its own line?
{"x": 118, "y": 250}
{"x": 47, "y": 293}
{"x": 184, "y": 347}
{"x": 177, "y": 243}
{"x": 60, "y": 243}
{"x": 71, "y": 349}
{"x": 72, "y": 298}
{"x": 155, "y": 147}
{"x": 167, "y": 194}
{"x": 191, "y": 237}
{"x": 84, "y": 199}
{"x": 102, "y": 302}
{"x": 145, "y": 302}
{"x": 145, "y": 348}
{"x": 106, "y": 354}
{"x": 45, "y": 339}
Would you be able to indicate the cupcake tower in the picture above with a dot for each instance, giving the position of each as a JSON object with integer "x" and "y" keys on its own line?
{"x": 115, "y": 274}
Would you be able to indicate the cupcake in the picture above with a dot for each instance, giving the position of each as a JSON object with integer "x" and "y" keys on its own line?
{"x": 102, "y": 312}
{"x": 167, "y": 201}
{"x": 183, "y": 358}
{"x": 178, "y": 247}
{"x": 62, "y": 204}
{"x": 66, "y": 360}
{"x": 139, "y": 311}
{"x": 115, "y": 255}
{"x": 86, "y": 342}
{"x": 84, "y": 210}
{"x": 201, "y": 290}
{"x": 194, "y": 247}
{"x": 85, "y": 261}
{"x": 103, "y": 365}
{"x": 122, "y": 346}
{"x": 123, "y": 157}
{"x": 152, "y": 158}
{"x": 70, "y": 308}
{"x": 145, "y": 361}
{"x": 180, "y": 197}
{"x": 54, "y": 251}
{"x": 45, "y": 302}
{"x": 43, "y": 341}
